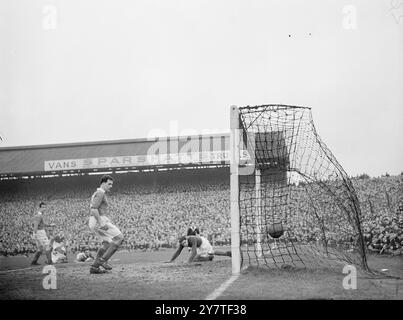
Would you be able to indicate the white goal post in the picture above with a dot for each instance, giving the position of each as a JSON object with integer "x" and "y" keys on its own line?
{"x": 235, "y": 155}
{"x": 234, "y": 186}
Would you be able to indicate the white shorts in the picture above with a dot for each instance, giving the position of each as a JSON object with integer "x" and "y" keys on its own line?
{"x": 104, "y": 235}
{"x": 57, "y": 257}
{"x": 42, "y": 241}
{"x": 205, "y": 249}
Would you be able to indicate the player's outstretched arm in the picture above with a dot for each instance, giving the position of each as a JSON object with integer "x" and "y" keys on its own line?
{"x": 194, "y": 251}
{"x": 176, "y": 254}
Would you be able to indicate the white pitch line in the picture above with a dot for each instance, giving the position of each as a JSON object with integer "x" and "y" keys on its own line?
{"x": 217, "y": 292}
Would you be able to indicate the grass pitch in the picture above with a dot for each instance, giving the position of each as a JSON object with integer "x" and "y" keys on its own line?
{"x": 145, "y": 276}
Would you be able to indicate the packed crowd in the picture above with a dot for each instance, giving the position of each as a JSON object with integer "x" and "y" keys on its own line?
{"x": 381, "y": 201}
{"x": 151, "y": 209}
{"x": 381, "y": 205}
{"x": 154, "y": 209}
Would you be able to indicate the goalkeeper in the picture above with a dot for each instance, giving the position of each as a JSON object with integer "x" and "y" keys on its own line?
{"x": 201, "y": 248}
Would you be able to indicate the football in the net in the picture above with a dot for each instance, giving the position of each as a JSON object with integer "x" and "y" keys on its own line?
{"x": 276, "y": 230}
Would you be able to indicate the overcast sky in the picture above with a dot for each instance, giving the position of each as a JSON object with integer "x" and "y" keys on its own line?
{"x": 74, "y": 70}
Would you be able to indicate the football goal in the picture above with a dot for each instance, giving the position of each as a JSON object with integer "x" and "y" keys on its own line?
{"x": 292, "y": 203}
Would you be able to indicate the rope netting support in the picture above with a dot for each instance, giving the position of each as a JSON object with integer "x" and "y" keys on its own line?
{"x": 297, "y": 206}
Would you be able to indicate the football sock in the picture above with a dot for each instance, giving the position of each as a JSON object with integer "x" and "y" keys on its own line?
{"x": 36, "y": 257}
{"x": 111, "y": 250}
{"x": 101, "y": 251}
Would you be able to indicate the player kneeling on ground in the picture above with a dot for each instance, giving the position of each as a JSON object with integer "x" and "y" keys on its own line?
{"x": 85, "y": 256}
{"x": 101, "y": 225}
{"x": 202, "y": 250}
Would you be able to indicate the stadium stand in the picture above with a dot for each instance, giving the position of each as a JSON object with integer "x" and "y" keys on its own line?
{"x": 154, "y": 208}
{"x": 151, "y": 209}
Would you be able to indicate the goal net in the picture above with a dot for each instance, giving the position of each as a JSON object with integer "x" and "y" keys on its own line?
{"x": 292, "y": 203}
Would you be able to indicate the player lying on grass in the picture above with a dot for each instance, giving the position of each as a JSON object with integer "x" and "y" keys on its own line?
{"x": 85, "y": 256}
{"x": 59, "y": 251}
{"x": 202, "y": 250}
